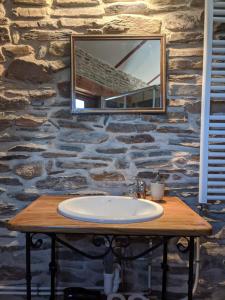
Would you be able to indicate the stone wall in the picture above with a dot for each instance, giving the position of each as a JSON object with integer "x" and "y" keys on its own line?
{"x": 44, "y": 149}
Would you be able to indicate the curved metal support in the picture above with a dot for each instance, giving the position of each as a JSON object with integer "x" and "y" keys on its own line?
{"x": 36, "y": 244}
{"x": 111, "y": 243}
{"x": 111, "y": 246}
{"x": 90, "y": 256}
{"x": 183, "y": 245}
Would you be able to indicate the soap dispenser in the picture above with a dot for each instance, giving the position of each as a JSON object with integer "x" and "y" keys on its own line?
{"x": 157, "y": 188}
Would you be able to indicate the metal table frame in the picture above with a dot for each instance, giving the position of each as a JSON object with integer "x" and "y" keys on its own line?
{"x": 53, "y": 265}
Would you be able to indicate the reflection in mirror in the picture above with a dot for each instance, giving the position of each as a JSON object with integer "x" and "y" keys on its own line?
{"x": 110, "y": 74}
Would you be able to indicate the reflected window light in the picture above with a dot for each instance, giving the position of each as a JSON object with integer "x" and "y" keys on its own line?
{"x": 79, "y": 103}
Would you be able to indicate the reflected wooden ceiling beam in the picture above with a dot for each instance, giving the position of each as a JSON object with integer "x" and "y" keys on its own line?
{"x": 129, "y": 54}
{"x": 154, "y": 78}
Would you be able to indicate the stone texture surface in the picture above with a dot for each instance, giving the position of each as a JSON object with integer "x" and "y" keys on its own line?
{"x": 44, "y": 149}
{"x": 29, "y": 69}
{"x": 4, "y": 35}
{"x": 28, "y": 171}
{"x": 28, "y": 12}
{"x": 74, "y": 3}
{"x": 32, "y": 2}
{"x": 132, "y": 24}
{"x": 137, "y": 7}
{"x": 18, "y": 50}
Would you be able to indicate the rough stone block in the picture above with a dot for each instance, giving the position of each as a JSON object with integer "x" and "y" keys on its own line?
{"x": 29, "y": 69}
{"x": 29, "y": 121}
{"x": 146, "y": 175}
{"x": 25, "y": 24}
{"x": 59, "y": 48}
{"x": 187, "y": 90}
{"x": 4, "y": 21}
{"x": 5, "y": 121}
{"x": 133, "y": 25}
{"x": 64, "y": 88}
{"x": 122, "y": 163}
{"x": 107, "y": 176}
{"x": 58, "y": 154}
{"x": 4, "y": 168}
{"x": 46, "y": 35}
{"x": 26, "y": 196}
{"x": 128, "y": 127}
{"x": 82, "y": 12}
{"x": 138, "y": 7}
{"x": 73, "y": 124}
{"x": 135, "y": 139}
{"x": 10, "y": 181}
{"x": 27, "y": 12}
{"x": 185, "y": 64}
{"x": 43, "y": 23}
{"x": 57, "y": 65}
{"x": 194, "y": 107}
{"x": 179, "y": 21}
{"x": 39, "y": 94}
{"x": 4, "y": 35}
{"x": 166, "y": 2}
{"x": 81, "y": 23}
{"x": 32, "y": 2}
{"x": 62, "y": 183}
{"x": 16, "y": 103}
{"x": 185, "y": 37}
{"x": 167, "y": 5}
{"x": 2, "y": 11}
{"x": 173, "y": 129}
{"x": 27, "y": 148}
{"x": 79, "y": 137}
{"x": 76, "y": 3}
{"x": 197, "y": 3}
{"x": 185, "y": 52}
{"x": 28, "y": 171}
{"x": 83, "y": 165}
{"x": 18, "y": 50}
{"x": 153, "y": 163}
{"x": 111, "y": 150}
{"x": 9, "y": 157}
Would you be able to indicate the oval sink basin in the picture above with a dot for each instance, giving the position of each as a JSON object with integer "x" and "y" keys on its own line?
{"x": 110, "y": 209}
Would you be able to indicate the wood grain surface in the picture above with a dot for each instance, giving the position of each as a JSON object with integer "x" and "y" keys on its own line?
{"x": 42, "y": 216}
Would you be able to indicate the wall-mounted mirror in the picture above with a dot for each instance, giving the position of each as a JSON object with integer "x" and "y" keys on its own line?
{"x": 118, "y": 74}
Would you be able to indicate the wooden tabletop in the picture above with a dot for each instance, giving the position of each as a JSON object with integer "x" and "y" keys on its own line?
{"x": 42, "y": 216}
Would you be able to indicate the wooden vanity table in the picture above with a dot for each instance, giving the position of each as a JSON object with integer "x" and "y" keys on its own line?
{"x": 178, "y": 220}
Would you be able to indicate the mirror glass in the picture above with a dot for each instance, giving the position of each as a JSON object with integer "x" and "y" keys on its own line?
{"x": 114, "y": 75}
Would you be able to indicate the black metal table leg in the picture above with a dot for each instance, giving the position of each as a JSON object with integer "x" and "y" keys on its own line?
{"x": 164, "y": 268}
{"x": 191, "y": 262}
{"x": 52, "y": 267}
{"x": 28, "y": 266}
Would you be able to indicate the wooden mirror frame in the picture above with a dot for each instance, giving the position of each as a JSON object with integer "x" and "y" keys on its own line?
{"x": 78, "y": 37}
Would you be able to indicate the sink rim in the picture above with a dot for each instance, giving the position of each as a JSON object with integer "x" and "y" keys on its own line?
{"x": 112, "y": 220}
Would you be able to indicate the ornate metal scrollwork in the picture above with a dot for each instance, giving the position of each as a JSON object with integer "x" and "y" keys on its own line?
{"x": 183, "y": 244}
{"x": 98, "y": 240}
{"x": 35, "y": 243}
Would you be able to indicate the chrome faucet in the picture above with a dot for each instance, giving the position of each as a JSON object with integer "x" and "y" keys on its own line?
{"x": 137, "y": 189}
{"x": 141, "y": 188}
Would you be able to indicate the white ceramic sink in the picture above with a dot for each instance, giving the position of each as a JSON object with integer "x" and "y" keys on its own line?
{"x": 110, "y": 209}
